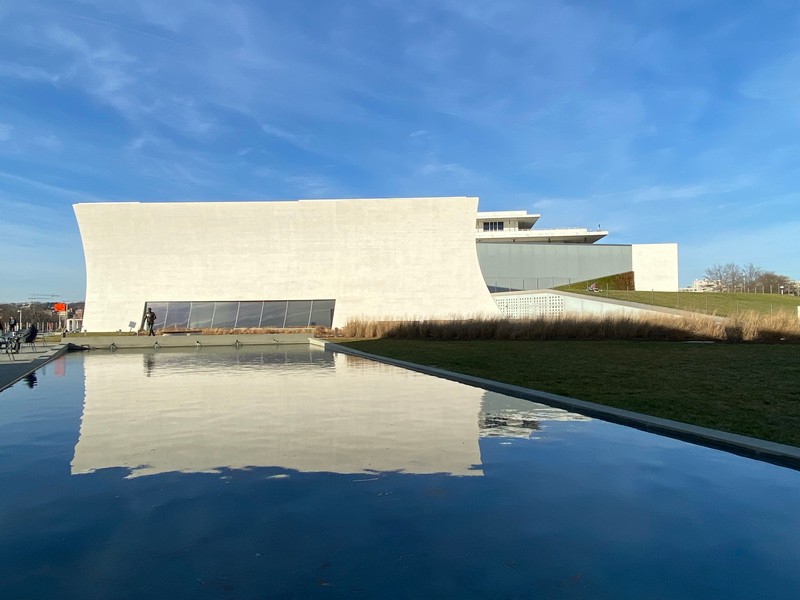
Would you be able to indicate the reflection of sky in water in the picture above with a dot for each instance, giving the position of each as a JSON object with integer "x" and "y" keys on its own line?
{"x": 296, "y": 473}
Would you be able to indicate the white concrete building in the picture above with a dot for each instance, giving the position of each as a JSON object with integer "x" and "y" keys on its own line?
{"x": 276, "y": 264}
{"x": 224, "y": 265}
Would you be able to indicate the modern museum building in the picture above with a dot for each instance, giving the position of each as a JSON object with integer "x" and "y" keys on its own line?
{"x": 225, "y": 265}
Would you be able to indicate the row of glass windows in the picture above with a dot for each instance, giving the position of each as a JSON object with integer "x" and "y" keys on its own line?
{"x": 230, "y": 315}
{"x": 493, "y": 226}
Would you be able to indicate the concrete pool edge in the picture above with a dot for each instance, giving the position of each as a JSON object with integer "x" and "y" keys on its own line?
{"x": 11, "y": 372}
{"x": 772, "y": 452}
{"x": 185, "y": 340}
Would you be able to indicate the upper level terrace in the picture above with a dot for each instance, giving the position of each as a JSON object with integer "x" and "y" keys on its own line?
{"x": 517, "y": 226}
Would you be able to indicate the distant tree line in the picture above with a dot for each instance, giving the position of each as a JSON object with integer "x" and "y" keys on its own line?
{"x": 34, "y": 312}
{"x": 731, "y": 277}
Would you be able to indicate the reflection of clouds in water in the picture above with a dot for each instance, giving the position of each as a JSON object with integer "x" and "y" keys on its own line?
{"x": 504, "y": 416}
{"x": 299, "y": 408}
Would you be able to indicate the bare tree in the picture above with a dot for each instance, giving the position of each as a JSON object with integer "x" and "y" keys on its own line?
{"x": 724, "y": 278}
{"x": 731, "y": 277}
{"x": 773, "y": 282}
{"x": 750, "y": 275}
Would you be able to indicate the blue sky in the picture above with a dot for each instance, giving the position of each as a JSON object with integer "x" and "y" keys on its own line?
{"x": 660, "y": 121}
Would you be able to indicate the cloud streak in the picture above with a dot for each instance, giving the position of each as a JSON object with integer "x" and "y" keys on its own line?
{"x": 667, "y": 122}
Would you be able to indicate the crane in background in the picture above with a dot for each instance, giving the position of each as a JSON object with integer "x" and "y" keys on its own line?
{"x": 58, "y": 307}
{"x": 42, "y": 297}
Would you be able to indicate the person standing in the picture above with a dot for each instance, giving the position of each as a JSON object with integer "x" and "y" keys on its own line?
{"x": 12, "y": 324}
{"x": 150, "y": 319}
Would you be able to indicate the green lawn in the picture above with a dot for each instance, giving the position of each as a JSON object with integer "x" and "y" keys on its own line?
{"x": 750, "y": 389}
{"x": 707, "y": 302}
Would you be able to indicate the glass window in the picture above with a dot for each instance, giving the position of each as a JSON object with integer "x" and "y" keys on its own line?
{"x": 274, "y": 314}
{"x": 249, "y": 314}
{"x": 298, "y": 313}
{"x": 200, "y": 315}
{"x": 486, "y": 226}
{"x": 177, "y": 316}
{"x": 322, "y": 312}
{"x": 225, "y": 315}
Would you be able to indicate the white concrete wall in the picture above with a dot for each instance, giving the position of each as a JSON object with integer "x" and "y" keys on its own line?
{"x": 521, "y": 305}
{"x": 655, "y": 267}
{"x": 378, "y": 258}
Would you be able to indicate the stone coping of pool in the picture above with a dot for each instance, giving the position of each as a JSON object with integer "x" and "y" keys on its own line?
{"x": 186, "y": 340}
{"x": 779, "y": 454}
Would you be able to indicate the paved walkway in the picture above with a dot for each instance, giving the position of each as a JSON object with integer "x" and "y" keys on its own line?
{"x": 15, "y": 367}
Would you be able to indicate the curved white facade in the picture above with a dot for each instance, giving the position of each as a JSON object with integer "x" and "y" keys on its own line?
{"x": 386, "y": 258}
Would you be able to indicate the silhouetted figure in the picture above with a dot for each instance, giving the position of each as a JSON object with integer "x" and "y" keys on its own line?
{"x": 150, "y": 319}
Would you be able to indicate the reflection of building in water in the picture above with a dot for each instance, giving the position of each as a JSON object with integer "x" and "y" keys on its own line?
{"x": 294, "y": 407}
{"x": 504, "y": 416}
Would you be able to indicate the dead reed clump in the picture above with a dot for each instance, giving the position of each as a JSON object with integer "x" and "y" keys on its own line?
{"x": 756, "y": 327}
{"x": 747, "y": 327}
{"x": 362, "y": 328}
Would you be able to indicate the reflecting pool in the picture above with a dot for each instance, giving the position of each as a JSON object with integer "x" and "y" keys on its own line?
{"x": 291, "y": 472}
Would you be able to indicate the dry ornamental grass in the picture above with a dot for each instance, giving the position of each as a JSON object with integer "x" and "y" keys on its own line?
{"x": 744, "y": 327}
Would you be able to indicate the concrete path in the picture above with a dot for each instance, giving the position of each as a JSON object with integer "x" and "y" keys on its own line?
{"x": 628, "y": 304}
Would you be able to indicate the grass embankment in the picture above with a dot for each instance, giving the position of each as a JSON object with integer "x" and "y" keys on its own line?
{"x": 749, "y": 389}
{"x": 707, "y": 302}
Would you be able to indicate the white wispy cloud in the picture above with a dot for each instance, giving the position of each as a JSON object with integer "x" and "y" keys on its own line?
{"x": 43, "y": 186}
{"x": 27, "y": 72}
{"x": 314, "y": 186}
{"x": 583, "y": 112}
{"x": 777, "y": 81}
{"x": 279, "y": 132}
{"x": 48, "y": 142}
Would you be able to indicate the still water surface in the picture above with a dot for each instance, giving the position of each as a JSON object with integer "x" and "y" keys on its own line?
{"x": 296, "y": 473}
